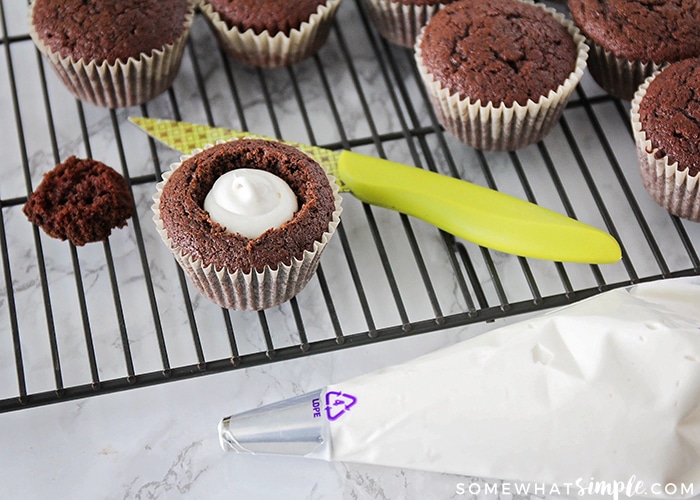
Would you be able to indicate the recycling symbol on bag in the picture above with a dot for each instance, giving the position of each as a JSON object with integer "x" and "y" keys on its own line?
{"x": 337, "y": 403}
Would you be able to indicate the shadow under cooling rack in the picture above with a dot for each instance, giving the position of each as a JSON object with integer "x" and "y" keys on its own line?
{"x": 76, "y": 322}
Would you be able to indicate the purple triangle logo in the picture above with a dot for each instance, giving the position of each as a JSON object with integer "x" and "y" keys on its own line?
{"x": 337, "y": 403}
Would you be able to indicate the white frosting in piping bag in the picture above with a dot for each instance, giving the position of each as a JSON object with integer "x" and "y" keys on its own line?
{"x": 606, "y": 390}
{"x": 250, "y": 201}
{"x": 600, "y": 397}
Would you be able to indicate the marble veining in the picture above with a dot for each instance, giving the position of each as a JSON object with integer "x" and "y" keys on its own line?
{"x": 160, "y": 442}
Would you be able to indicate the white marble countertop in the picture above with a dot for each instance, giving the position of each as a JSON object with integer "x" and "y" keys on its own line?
{"x": 161, "y": 441}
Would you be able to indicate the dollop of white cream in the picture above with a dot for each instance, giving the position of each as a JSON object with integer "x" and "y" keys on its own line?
{"x": 250, "y": 201}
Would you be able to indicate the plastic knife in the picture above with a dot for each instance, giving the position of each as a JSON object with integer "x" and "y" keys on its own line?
{"x": 481, "y": 215}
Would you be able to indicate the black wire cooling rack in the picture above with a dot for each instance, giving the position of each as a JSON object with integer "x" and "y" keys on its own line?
{"x": 76, "y": 322}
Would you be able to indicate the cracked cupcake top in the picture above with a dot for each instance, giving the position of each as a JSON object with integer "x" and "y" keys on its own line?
{"x": 260, "y": 15}
{"x": 670, "y": 114}
{"x": 500, "y": 51}
{"x": 108, "y": 30}
{"x": 641, "y": 30}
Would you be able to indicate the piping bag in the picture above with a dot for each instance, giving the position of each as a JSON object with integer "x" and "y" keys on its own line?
{"x": 600, "y": 395}
{"x": 484, "y": 216}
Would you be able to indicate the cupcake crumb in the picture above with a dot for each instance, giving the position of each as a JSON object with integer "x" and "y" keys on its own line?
{"x": 80, "y": 200}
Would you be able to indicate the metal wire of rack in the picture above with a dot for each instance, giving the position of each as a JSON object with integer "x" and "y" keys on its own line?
{"x": 77, "y": 322}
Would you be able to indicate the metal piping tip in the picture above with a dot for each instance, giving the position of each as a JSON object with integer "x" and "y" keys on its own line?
{"x": 293, "y": 426}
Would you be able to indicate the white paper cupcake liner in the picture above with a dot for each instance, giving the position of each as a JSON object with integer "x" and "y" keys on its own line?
{"x": 123, "y": 83}
{"x": 618, "y": 76}
{"x": 282, "y": 49}
{"x": 400, "y": 23}
{"x": 254, "y": 290}
{"x": 671, "y": 187}
{"x": 499, "y": 127}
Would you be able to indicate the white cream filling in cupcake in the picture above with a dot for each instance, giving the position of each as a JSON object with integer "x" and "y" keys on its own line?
{"x": 254, "y": 290}
{"x": 249, "y": 201}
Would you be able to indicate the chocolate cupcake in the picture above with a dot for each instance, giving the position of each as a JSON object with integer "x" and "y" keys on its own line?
{"x": 80, "y": 200}
{"x": 270, "y": 33}
{"x": 400, "y": 21}
{"x": 499, "y": 72}
{"x": 630, "y": 40}
{"x": 231, "y": 266}
{"x": 665, "y": 117}
{"x": 112, "y": 53}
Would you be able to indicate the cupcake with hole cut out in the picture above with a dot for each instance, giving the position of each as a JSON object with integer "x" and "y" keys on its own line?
{"x": 247, "y": 220}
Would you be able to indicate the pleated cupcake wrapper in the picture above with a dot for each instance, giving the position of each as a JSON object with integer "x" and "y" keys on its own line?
{"x": 282, "y": 49}
{"x": 400, "y": 23}
{"x": 618, "y": 76}
{"x": 499, "y": 127}
{"x": 120, "y": 84}
{"x": 254, "y": 290}
{"x": 668, "y": 185}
